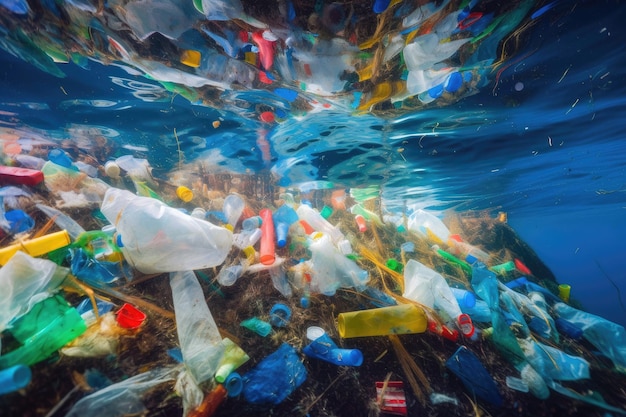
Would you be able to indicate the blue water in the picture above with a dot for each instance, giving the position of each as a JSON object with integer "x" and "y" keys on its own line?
{"x": 542, "y": 141}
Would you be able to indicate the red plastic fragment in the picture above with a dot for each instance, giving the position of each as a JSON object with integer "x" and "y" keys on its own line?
{"x": 20, "y": 176}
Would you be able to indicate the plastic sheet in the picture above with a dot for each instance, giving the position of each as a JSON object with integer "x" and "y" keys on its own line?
{"x": 25, "y": 281}
{"x": 275, "y": 377}
{"x": 158, "y": 238}
{"x": 122, "y": 398}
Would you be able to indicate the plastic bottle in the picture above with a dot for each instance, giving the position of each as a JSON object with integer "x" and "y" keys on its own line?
{"x": 318, "y": 223}
{"x": 251, "y": 223}
{"x": 14, "y": 378}
{"x": 323, "y": 347}
{"x": 228, "y": 275}
{"x": 400, "y": 319}
{"x": 428, "y": 225}
{"x": 157, "y": 238}
{"x": 267, "y": 254}
{"x": 232, "y": 208}
{"x": 198, "y": 334}
{"x": 283, "y": 218}
{"x": 36, "y": 247}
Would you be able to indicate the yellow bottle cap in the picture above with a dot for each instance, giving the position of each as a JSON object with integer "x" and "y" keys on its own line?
{"x": 184, "y": 193}
{"x": 191, "y": 58}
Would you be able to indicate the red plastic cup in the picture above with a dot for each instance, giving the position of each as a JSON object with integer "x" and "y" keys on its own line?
{"x": 267, "y": 254}
{"x": 129, "y": 317}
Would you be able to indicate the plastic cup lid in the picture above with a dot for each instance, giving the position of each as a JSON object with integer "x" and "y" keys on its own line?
{"x": 314, "y": 332}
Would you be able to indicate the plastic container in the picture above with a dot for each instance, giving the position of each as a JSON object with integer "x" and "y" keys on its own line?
{"x": 14, "y": 378}
{"x": 198, "y": 335}
{"x": 157, "y": 238}
{"x": 400, "y": 319}
{"x": 564, "y": 292}
{"x": 465, "y": 298}
{"x": 20, "y": 176}
{"x": 130, "y": 317}
{"x": 267, "y": 254}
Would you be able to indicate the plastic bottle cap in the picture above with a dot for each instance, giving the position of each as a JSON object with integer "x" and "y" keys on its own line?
{"x": 184, "y": 194}
{"x": 233, "y": 384}
{"x": 314, "y": 333}
{"x": 280, "y": 315}
{"x": 129, "y": 317}
{"x": 112, "y": 169}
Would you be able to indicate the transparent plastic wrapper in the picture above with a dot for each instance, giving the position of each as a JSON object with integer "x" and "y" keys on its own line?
{"x": 552, "y": 363}
{"x": 62, "y": 220}
{"x": 425, "y": 51}
{"x": 427, "y": 224}
{"x": 331, "y": 270}
{"x": 429, "y": 288}
{"x": 608, "y": 337}
{"x": 275, "y": 377}
{"x": 157, "y": 238}
{"x": 536, "y": 384}
{"x": 122, "y": 398}
{"x": 100, "y": 339}
{"x": 198, "y": 335}
{"x": 75, "y": 188}
{"x": 25, "y": 281}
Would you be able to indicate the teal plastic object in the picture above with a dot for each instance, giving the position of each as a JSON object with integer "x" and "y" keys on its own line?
{"x": 275, "y": 377}
{"x": 48, "y": 326}
{"x": 465, "y": 365}
{"x": 14, "y": 378}
{"x": 260, "y": 327}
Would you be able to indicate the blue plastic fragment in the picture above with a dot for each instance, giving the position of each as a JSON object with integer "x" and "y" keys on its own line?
{"x": 275, "y": 377}
{"x": 286, "y": 93}
{"x": 465, "y": 365}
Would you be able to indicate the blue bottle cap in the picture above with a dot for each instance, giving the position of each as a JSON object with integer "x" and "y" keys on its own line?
{"x": 280, "y": 315}
{"x": 233, "y": 384}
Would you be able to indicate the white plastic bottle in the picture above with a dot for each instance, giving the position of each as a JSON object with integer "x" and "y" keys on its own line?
{"x": 157, "y": 238}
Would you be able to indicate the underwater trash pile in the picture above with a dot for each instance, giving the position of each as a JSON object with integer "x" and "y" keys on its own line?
{"x": 267, "y": 61}
{"x": 215, "y": 294}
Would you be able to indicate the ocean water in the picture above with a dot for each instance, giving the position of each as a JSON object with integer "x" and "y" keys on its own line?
{"x": 542, "y": 137}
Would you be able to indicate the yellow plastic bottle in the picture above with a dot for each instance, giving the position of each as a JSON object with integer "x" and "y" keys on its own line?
{"x": 400, "y": 319}
{"x": 36, "y": 247}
